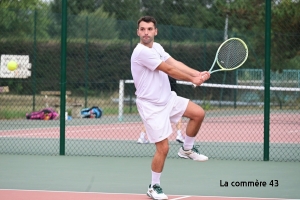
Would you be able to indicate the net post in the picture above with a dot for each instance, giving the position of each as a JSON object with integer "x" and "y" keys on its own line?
{"x": 121, "y": 100}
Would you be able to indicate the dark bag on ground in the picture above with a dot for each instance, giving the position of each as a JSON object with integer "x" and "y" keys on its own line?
{"x": 93, "y": 112}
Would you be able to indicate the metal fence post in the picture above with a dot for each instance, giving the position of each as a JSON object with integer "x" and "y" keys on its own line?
{"x": 267, "y": 81}
{"x": 63, "y": 77}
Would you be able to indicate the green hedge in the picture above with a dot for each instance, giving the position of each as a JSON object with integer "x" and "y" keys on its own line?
{"x": 96, "y": 66}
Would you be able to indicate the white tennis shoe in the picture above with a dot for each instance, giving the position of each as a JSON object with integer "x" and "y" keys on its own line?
{"x": 179, "y": 138}
{"x": 155, "y": 192}
{"x": 142, "y": 141}
{"x": 193, "y": 154}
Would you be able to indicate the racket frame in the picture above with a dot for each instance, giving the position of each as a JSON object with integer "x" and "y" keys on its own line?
{"x": 216, "y": 58}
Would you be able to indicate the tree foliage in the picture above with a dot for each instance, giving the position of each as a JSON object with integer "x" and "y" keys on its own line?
{"x": 17, "y": 18}
{"x": 90, "y": 22}
{"x": 76, "y": 6}
{"x": 246, "y": 19}
{"x": 28, "y": 4}
{"x": 123, "y": 10}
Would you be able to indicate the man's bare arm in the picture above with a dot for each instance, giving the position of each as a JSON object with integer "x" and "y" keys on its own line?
{"x": 182, "y": 67}
{"x": 186, "y": 74}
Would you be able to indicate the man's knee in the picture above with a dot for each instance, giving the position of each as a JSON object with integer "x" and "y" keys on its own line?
{"x": 194, "y": 112}
{"x": 201, "y": 113}
{"x": 163, "y": 147}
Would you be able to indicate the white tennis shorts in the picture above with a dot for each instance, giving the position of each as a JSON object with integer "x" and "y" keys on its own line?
{"x": 157, "y": 119}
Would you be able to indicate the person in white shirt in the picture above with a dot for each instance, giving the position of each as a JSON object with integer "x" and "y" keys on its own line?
{"x": 158, "y": 106}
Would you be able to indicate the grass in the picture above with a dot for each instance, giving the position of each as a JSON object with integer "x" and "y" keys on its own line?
{"x": 12, "y": 114}
{"x": 16, "y": 106}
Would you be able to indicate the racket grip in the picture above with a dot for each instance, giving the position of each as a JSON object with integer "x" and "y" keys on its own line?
{"x": 194, "y": 85}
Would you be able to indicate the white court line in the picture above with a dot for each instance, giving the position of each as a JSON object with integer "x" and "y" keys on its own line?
{"x": 69, "y": 130}
{"x": 51, "y": 131}
{"x": 76, "y": 192}
{"x": 22, "y": 190}
{"x": 181, "y": 197}
{"x": 56, "y": 133}
{"x": 96, "y": 126}
{"x": 296, "y": 131}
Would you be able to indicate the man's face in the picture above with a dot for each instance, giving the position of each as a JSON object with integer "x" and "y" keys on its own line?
{"x": 146, "y": 32}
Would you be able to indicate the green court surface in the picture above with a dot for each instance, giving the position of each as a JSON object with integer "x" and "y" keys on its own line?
{"x": 132, "y": 175}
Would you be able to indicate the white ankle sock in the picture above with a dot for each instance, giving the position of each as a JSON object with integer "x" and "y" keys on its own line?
{"x": 155, "y": 178}
{"x": 142, "y": 135}
{"x": 179, "y": 132}
{"x": 188, "y": 142}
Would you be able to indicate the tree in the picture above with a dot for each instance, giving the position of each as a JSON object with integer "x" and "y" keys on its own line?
{"x": 286, "y": 38}
{"x": 76, "y": 6}
{"x": 17, "y": 18}
{"x": 123, "y": 9}
{"x": 100, "y": 25}
{"x": 28, "y": 4}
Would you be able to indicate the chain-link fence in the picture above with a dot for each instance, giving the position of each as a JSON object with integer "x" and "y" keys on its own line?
{"x": 99, "y": 46}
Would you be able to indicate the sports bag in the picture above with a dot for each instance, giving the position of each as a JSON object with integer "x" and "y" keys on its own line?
{"x": 44, "y": 114}
{"x": 93, "y": 112}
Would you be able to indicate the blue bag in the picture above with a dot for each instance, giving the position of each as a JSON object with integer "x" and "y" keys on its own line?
{"x": 93, "y": 112}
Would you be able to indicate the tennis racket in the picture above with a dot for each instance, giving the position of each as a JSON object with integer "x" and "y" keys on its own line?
{"x": 231, "y": 54}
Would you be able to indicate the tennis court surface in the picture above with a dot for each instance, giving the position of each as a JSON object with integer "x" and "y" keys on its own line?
{"x": 82, "y": 177}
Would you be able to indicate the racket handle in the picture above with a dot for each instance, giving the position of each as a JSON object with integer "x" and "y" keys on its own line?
{"x": 194, "y": 85}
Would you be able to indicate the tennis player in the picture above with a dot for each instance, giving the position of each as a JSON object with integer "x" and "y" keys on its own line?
{"x": 158, "y": 106}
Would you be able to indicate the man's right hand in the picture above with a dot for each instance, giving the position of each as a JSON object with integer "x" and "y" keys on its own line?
{"x": 201, "y": 78}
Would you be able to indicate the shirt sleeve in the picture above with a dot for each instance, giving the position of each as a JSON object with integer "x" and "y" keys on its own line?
{"x": 165, "y": 55}
{"x": 149, "y": 59}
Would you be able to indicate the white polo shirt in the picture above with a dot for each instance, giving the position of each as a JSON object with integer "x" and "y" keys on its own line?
{"x": 151, "y": 84}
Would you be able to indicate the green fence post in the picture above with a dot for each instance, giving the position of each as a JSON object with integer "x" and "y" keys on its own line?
{"x": 204, "y": 68}
{"x": 267, "y": 81}
{"x": 63, "y": 77}
{"x": 34, "y": 62}
{"x": 131, "y": 35}
{"x": 235, "y": 90}
{"x": 221, "y": 92}
{"x": 299, "y": 78}
{"x": 170, "y": 39}
{"x": 86, "y": 61}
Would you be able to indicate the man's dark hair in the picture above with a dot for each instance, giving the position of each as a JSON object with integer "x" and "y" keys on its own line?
{"x": 147, "y": 19}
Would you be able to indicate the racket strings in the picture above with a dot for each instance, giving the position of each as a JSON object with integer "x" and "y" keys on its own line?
{"x": 232, "y": 54}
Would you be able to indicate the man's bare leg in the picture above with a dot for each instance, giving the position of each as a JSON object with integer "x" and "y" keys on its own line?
{"x": 196, "y": 115}
{"x": 154, "y": 190}
{"x": 162, "y": 149}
